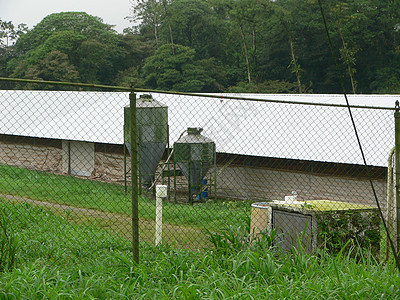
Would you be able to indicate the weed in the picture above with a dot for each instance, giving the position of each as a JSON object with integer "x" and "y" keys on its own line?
{"x": 8, "y": 243}
{"x": 237, "y": 238}
{"x": 88, "y": 263}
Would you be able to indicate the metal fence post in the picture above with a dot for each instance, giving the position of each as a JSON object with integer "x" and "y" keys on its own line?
{"x": 134, "y": 169}
{"x": 397, "y": 177}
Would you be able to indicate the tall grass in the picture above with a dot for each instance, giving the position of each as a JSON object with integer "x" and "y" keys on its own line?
{"x": 8, "y": 243}
{"x": 63, "y": 260}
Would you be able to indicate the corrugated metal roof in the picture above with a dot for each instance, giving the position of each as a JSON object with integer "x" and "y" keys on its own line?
{"x": 241, "y": 127}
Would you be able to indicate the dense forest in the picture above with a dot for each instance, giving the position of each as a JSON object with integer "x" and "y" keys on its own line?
{"x": 263, "y": 46}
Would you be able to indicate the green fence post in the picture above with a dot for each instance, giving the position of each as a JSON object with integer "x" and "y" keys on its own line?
{"x": 397, "y": 177}
{"x": 134, "y": 171}
{"x": 125, "y": 182}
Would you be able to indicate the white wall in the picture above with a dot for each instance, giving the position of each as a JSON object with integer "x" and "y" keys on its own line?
{"x": 78, "y": 158}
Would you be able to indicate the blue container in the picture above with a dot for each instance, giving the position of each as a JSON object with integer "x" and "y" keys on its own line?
{"x": 204, "y": 194}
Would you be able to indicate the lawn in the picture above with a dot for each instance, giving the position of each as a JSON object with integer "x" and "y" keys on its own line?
{"x": 58, "y": 259}
{"x": 183, "y": 224}
{"x": 109, "y": 197}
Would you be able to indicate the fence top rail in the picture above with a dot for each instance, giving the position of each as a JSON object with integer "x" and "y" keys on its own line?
{"x": 215, "y": 96}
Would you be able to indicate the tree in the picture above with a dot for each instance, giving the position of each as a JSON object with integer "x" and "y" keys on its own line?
{"x": 253, "y": 45}
{"x": 368, "y": 39}
{"x": 129, "y": 77}
{"x": 54, "y": 66}
{"x": 65, "y": 41}
{"x": 147, "y": 15}
{"x": 193, "y": 24}
{"x": 9, "y": 33}
{"x": 77, "y": 22}
{"x": 179, "y": 71}
{"x": 91, "y": 47}
{"x": 248, "y": 17}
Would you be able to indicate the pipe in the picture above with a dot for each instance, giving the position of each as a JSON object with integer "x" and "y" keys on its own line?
{"x": 161, "y": 192}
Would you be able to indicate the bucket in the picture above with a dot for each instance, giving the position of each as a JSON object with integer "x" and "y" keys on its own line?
{"x": 261, "y": 218}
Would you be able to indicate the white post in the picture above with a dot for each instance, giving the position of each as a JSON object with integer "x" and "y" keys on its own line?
{"x": 161, "y": 192}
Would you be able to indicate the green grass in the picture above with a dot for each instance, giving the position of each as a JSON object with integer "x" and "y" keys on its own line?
{"x": 58, "y": 259}
{"x": 110, "y": 197}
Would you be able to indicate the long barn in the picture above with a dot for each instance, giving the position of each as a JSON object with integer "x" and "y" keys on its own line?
{"x": 265, "y": 148}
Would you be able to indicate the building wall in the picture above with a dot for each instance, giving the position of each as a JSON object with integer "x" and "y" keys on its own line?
{"x": 234, "y": 181}
{"x": 38, "y": 157}
{"x": 262, "y": 184}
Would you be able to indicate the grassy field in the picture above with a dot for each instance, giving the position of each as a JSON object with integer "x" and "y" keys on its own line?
{"x": 76, "y": 255}
{"x": 105, "y": 205}
{"x": 108, "y": 197}
{"x": 57, "y": 259}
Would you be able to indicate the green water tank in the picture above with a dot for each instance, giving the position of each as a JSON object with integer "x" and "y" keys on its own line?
{"x": 152, "y": 135}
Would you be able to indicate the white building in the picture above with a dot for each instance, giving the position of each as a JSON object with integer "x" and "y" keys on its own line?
{"x": 273, "y": 128}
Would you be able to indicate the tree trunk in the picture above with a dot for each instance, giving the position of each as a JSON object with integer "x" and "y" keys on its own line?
{"x": 246, "y": 54}
{"x": 156, "y": 34}
{"x": 350, "y": 71}
{"x": 155, "y": 22}
{"x": 295, "y": 64}
{"x": 169, "y": 27}
{"x": 294, "y": 61}
{"x": 172, "y": 39}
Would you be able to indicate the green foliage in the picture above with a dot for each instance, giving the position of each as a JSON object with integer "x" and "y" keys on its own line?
{"x": 53, "y": 66}
{"x": 269, "y": 45}
{"x": 177, "y": 69}
{"x": 10, "y": 33}
{"x": 269, "y": 86}
{"x": 236, "y": 238}
{"x": 8, "y": 242}
{"x": 387, "y": 81}
{"x": 77, "y": 22}
{"x": 335, "y": 230}
{"x": 257, "y": 42}
{"x": 81, "y": 262}
{"x": 129, "y": 77}
{"x": 62, "y": 41}
{"x": 87, "y": 50}
{"x": 147, "y": 16}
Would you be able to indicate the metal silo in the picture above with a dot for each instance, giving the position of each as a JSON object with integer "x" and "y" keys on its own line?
{"x": 152, "y": 135}
{"x": 195, "y": 155}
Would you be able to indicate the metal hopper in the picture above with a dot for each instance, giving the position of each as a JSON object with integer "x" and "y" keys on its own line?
{"x": 195, "y": 155}
{"x": 152, "y": 135}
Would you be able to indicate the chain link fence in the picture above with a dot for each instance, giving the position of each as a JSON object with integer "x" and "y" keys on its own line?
{"x": 207, "y": 166}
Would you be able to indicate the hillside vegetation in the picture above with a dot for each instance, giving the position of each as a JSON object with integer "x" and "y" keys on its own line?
{"x": 214, "y": 46}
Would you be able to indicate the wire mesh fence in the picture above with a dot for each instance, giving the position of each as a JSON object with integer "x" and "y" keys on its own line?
{"x": 207, "y": 166}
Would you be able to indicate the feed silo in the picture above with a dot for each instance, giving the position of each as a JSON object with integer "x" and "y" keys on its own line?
{"x": 195, "y": 154}
{"x": 152, "y": 135}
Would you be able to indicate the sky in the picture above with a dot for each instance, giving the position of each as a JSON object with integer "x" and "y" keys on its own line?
{"x": 32, "y": 12}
